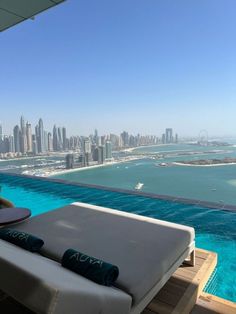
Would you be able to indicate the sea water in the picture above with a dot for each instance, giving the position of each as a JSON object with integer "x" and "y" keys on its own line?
{"x": 207, "y": 183}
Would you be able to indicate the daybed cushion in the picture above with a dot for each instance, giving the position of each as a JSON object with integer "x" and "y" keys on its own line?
{"x": 45, "y": 287}
{"x": 144, "y": 249}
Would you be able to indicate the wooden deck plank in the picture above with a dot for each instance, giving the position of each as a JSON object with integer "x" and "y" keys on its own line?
{"x": 181, "y": 292}
{"x": 156, "y": 306}
{"x": 197, "y": 284}
{"x": 210, "y": 304}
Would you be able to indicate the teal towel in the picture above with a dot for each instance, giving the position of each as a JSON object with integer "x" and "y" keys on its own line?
{"x": 22, "y": 239}
{"x": 90, "y": 267}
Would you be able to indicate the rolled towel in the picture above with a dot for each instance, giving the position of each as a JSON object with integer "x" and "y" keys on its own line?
{"x": 90, "y": 267}
{"x": 22, "y": 239}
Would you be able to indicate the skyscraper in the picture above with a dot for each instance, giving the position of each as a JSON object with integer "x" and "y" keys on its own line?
{"x": 87, "y": 146}
{"x": 169, "y": 136}
{"x": 54, "y": 140}
{"x": 46, "y": 141}
{"x": 16, "y": 133}
{"x": 23, "y": 141}
{"x": 34, "y": 144}
{"x": 41, "y": 146}
{"x": 108, "y": 150}
{"x": 50, "y": 142}
{"x": 125, "y": 138}
{"x": 29, "y": 137}
{"x": 59, "y": 139}
{"x": 36, "y": 148}
{"x": 69, "y": 161}
{"x": 101, "y": 154}
{"x": 64, "y": 139}
{"x": 1, "y": 139}
{"x": 176, "y": 138}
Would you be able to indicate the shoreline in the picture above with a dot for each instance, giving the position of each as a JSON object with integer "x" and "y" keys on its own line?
{"x": 67, "y": 171}
{"x": 32, "y": 157}
{"x": 207, "y": 165}
{"x": 143, "y": 146}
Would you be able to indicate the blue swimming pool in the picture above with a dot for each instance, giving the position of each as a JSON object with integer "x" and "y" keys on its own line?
{"x": 215, "y": 228}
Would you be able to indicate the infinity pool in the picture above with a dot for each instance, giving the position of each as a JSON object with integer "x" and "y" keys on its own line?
{"x": 215, "y": 229}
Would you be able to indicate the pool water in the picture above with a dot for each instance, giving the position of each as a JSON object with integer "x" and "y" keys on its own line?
{"x": 215, "y": 229}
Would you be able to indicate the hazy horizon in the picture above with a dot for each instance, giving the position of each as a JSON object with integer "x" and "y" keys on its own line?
{"x": 139, "y": 66}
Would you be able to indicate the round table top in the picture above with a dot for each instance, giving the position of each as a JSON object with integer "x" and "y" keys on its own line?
{"x": 11, "y": 215}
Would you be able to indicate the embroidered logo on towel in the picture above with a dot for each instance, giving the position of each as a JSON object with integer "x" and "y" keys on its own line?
{"x": 17, "y": 235}
{"x": 82, "y": 258}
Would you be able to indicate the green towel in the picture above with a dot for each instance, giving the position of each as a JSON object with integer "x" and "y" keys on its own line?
{"x": 90, "y": 267}
{"x": 22, "y": 239}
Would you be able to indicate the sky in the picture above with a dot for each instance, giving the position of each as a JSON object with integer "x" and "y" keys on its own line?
{"x": 114, "y": 65}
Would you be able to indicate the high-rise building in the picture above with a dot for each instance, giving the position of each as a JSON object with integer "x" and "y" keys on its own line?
{"x": 169, "y": 135}
{"x": 59, "y": 139}
{"x": 37, "y": 138}
{"x": 86, "y": 146}
{"x": 17, "y": 134}
{"x": 108, "y": 150}
{"x": 54, "y": 139}
{"x": 1, "y": 134}
{"x": 95, "y": 138}
{"x": 64, "y": 139}
{"x": 163, "y": 138}
{"x": 50, "y": 142}
{"x": 125, "y": 138}
{"x": 101, "y": 154}
{"x": 1, "y": 139}
{"x": 29, "y": 137}
{"x": 176, "y": 138}
{"x": 41, "y": 146}
{"x": 69, "y": 161}
{"x": 23, "y": 140}
{"x": 11, "y": 144}
{"x": 46, "y": 141}
{"x": 95, "y": 154}
{"x": 34, "y": 144}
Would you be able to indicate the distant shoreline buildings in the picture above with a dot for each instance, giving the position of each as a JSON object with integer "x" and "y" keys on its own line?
{"x": 94, "y": 148}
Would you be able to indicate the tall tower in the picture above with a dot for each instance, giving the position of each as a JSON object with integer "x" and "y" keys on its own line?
{"x": 36, "y": 140}
{"x": 64, "y": 139}
{"x": 23, "y": 141}
{"x": 50, "y": 142}
{"x": 108, "y": 150}
{"x": 41, "y": 147}
{"x": 169, "y": 135}
{"x": 1, "y": 132}
{"x": 87, "y": 146}
{"x": 54, "y": 140}
{"x": 101, "y": 154}
{"x": 59, "y": 139}
{"x": 125, "y": 138}
{"x": 16, "y": 132}
{"x": 29, "y": 137}
{"x": 1, "y": 139}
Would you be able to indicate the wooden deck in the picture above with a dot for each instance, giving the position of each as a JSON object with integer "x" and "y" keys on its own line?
{"x": 181, "y": 292}
{"x": 210, "y": 304}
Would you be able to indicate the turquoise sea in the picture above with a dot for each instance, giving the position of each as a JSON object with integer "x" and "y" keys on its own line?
{"x": 216, "y": 183}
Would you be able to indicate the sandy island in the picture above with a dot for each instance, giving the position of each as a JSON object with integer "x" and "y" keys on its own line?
{"x": 207, "y": 162}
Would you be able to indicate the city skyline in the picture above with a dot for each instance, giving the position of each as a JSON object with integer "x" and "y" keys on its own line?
{"x": 28, "y": 139}
{"x": 137, "y": 65}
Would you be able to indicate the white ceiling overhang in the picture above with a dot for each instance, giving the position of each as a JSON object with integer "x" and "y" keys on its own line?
{"x": 16, "y": 11}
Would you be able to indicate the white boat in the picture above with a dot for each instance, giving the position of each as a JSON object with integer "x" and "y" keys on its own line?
{"x": 139, "y": 186}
